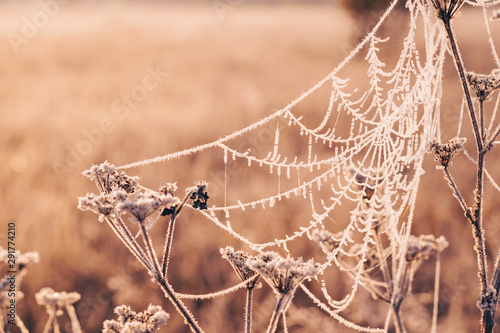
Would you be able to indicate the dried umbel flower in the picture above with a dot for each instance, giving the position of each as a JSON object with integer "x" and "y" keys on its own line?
{"x": 327, "y": 240}
{"x": 488, "y": 300}
{"x": 144, "y": 204}
{"x": 49, "y": 298}
{"x": 22, "y": 260}
{"x": 107, "y": 178}
{"x": 102, "y": 204}
{"x": 129, "y": 321}
{"x": 422, "y": 247}
{"x": 238, "y": 260}
{"x": 168, "y": 190}
{"x": 445, "y": 152}
{"x": 284, "y": 275}
{"x": 483, "y": 85}
{"x": 447, "y": 9}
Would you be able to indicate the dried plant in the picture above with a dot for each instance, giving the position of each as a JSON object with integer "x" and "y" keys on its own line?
{"x": 121, "y": 195}
{"x": 10, "y": 286}
{"x": 54, "y": 303}
{"x": 373, "y": 163}
{"x": 148, "y": 321}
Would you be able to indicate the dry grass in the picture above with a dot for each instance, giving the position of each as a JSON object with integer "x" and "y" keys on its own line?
{"x": 222, "y": 75}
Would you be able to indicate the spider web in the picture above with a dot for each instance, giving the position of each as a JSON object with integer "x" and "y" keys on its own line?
{"x": 361, "y": 127}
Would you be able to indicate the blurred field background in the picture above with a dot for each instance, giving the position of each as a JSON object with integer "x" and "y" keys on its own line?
{"x": 224, "y": 71}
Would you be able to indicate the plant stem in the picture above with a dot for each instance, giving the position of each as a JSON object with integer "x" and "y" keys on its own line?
{"x": 170, "y": 233}
{"x": 168, "y": 244}
{"x": 487, "y": 320}
{"x": 383, "y": 263}
{"x": 149, "y": 247}
{"x": 248, "y": 311}
{"x": 461, "y": 72}
{"x": 281, "y": 305}
{"x": 75, "y": 324}
{"x": 179, "y": 306}
{"x": 457, "y": 194}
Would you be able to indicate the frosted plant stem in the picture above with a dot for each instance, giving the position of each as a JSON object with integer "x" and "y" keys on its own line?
{"x": 435, "y": 306}
{"x": 457, "y": 194}
{"x": 481, "y": 119}
{"x": 461, "y": 73}
{"x": 56, "y": 324}
{"x": 248, "y": 311}
{"x": 281, "y": 305}
{"x": 21, "y": 325}
{"x": 495, "y": 280}
{"x": 75, "y": 324}
{"x": 179, "y": 306}
{"x": 398, "y": 321}
{"x": 129, "y": 241}
{"x": 168, "y": 244}
{"x": 487, "y": 320}
{"x": 149, "y": 247}
{"x": 169, "y": 235}
{"x": 46, "y": 329}
{"x": 383, "y": 263}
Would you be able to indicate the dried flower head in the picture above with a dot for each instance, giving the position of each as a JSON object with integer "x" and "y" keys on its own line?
{"x": 103, "y": 204}
{"x": 22, "y": 260}
{"x": 129, "y": 321}
{"x": 168, "y": 190}
{"x": 238, "y": 260}
{"x": 49, "y": 298}
{"x": 284, "y": 275}
{"x": 422, "y": 247}
{"x": 199, "y": 195}
{"x": 445, "y": 152}
{"x": 326, "y": 239}
{"x": 144, "y": 204}
{"x": 483, "y": 85}
{"x": 107, "y": 178}
{"x": 488, "y": 300}
{"x": 447, "y": 9}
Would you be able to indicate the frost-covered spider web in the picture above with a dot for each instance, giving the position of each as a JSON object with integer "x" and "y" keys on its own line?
{"x": 350, "y": 149}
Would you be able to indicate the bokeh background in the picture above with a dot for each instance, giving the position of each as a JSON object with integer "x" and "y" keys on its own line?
{"x": 65, "y": 75}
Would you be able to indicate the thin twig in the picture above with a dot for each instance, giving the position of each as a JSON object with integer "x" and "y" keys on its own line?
{"x": 169, "y": 235}
{"x": 248, "y": 311}
{"x": 179, "y": 306}
{"x": 461, "y": 72}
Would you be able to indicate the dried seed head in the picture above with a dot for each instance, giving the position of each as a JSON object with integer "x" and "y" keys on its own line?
{"x": 445, "y": 152}
{"x": 483, "y": 85}
{"x": 107, "y": 178}
{"x": 284, "y": 275}
{"x": 56, "y": 300}
{"x": 22, "y": 260}
{"x": 103, "y": 204}
{"x": 144, "y": 204}
{"x": 488, "y": 300}
{"x": 421, "y": 248}
{"x": 446, "y": 10}
{"x": 199, "y": 195}
{"x": 238, "y": 260}
{"x": 129, "y": 321}
{"x": 327, "y": 240}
